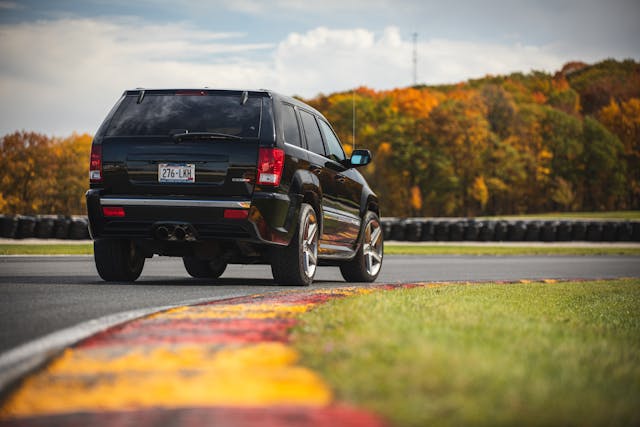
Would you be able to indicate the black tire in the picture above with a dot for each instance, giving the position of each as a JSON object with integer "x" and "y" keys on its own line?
{"x": 609, "y": 232}
{"x": 413, "y": 230}
{"x": 624, "y": 232}
{"x": 579, "y": 231}
{"x": 428, "y": 231}
{"x": 471, "y": 231}
{"x": 635, "y": 233}
{"x": 500, "y": 230}
{"x": 441, "y": 233}
{"x": 61, "y": 228}
{"x": 548, "y": 231}
{"x": 79, "y": 228}
{"x": 26, "y": 227}
{"x": 295, "y": 265}
{"x": 516, "y": 231}
{"x": 204, "y": 269}
{"x": 594, "y": 232}
{"x": 398, "y": 230}
{"x": 366, "y": 265}
{"x": 386, "y": 228}
{"x": 533, "y": 232}
{"x": 44, "y": 226}
{"x": 8, "y": 226}
{"x": 564, "y": 231}
{"x": 487, "y": 231}
{"x": 118, "y": 260}
{"x": 456, "y": 230}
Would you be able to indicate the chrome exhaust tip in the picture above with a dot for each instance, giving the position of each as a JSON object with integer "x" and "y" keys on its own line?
{"x": 162, "y": 233}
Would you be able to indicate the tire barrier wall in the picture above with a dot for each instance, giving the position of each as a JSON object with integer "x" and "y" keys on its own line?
{"x": 44, "y": 227}
{"x": 470, "y": 230}
{"x": 408, "y": 230}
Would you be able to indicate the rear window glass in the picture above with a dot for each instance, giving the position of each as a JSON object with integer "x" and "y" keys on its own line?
{"x": 165, "y": 114}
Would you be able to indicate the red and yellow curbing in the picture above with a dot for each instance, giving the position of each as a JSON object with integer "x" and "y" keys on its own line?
{"x": 226, "y": 361}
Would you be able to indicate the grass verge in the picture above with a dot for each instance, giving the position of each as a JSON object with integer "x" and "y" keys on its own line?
{"x": 488, "y": 354}
{"x": 87, "y": 249}
{"x": 46, "y": 249}
{"x": 506, "y": 250}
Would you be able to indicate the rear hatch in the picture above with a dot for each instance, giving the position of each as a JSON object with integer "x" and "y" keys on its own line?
{"x": 183, "y": 143}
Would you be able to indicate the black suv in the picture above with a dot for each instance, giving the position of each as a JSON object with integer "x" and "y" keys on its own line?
{"x": 228, "y": 176}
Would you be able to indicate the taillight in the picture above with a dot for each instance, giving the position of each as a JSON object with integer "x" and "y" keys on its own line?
{"x": 117, "y": 211}
{"x": 236, "y": 213}
{"x": 95, "y": 164}
{"x": 270, "y": 165}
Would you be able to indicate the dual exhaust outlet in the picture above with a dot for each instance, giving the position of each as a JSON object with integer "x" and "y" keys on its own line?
{"x": 175, "y": 232}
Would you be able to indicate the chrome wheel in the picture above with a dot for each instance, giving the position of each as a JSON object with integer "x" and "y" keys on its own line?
{"x": 310, "y": 245}
{"x": 372, "y": 248}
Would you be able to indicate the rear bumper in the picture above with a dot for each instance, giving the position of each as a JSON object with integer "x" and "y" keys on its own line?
{"x": 267, "y": 217}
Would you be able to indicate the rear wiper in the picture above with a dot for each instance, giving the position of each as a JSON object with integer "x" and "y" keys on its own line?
{"x": 204, "y": 135}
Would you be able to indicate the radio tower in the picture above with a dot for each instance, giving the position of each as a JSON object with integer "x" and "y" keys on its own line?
{"x": 415, "y": 58}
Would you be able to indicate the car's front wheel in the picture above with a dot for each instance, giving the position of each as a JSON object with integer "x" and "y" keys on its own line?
{"x": 204, "y": 269}
{"x": 296, "y": 264}
{"x": 118, "y": 260}
{"x": 365, "y": 266}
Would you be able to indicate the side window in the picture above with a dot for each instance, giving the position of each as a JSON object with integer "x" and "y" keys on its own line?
{"x": 290, "y": 125}
{"x": 333, "y": 145}
{"x": 314, "y": 140}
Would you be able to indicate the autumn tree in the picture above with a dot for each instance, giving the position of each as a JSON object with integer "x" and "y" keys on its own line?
{"x": 623, "y": 119}
{"x": 26, "y": 162}
{"x": 605, "y": 170}
{"x": 42, "y": 174}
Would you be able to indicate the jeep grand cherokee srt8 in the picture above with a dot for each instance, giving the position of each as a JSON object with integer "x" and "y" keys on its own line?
{"x": 228, "y": 176}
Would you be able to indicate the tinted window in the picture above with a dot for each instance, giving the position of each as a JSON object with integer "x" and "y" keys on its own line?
{"x": 290, "y": 125}
{"x": 314, "y": 140}
{"x": 162, "y": 114}
{"x": 333, "y": 145}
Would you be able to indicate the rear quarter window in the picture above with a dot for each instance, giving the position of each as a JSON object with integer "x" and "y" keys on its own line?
{"x": 314, "y": 139}
{"x": 290, "y": 125}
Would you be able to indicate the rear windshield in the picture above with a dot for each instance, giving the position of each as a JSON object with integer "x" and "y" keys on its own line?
{"x": 167, "y": 114}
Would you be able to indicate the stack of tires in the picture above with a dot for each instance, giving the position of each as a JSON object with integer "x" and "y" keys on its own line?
{"x": 44, "y": 227}
{"x": 471, "y": 230}
{"x": 399, "y": 229}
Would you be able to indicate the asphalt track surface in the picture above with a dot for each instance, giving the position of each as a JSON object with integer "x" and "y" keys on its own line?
{"x": 40, "y": 295}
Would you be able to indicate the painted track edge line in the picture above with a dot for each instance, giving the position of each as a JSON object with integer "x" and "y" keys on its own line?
{"x": 20, "y": 360}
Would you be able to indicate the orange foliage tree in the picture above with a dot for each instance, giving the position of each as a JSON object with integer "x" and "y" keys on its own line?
{"x": 43, "y": 175}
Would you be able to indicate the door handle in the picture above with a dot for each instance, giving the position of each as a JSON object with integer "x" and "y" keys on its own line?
{"x": 316, "y": 170}
{"x": 341, "y": 178}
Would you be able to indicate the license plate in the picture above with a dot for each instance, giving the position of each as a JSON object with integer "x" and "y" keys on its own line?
{"x": 176, "y": 173}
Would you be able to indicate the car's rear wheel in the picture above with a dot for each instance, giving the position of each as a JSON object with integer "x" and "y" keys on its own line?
{"x": 365, "y": 266}
{"x": 118, "y": 260}
{"x": 296, "y": 264}
{"x": 204, "y": 269}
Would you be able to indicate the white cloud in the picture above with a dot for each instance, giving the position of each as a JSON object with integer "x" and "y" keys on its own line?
{"x": 60, "y": 76}
{"x": 64, "y": 75}
{"x": 341, "y": 59}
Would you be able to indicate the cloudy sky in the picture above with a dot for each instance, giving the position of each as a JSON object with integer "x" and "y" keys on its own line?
{"x": 64, "y": 63}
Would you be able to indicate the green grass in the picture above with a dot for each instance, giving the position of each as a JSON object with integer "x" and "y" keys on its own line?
{"x": 613, "y": 215}
{"x": 506, "y": 250}
{"x": 488, "y": 354}
{"x": 46, "y": 249}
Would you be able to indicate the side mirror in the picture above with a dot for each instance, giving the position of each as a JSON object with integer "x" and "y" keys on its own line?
{"x": 360, "y": 158}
